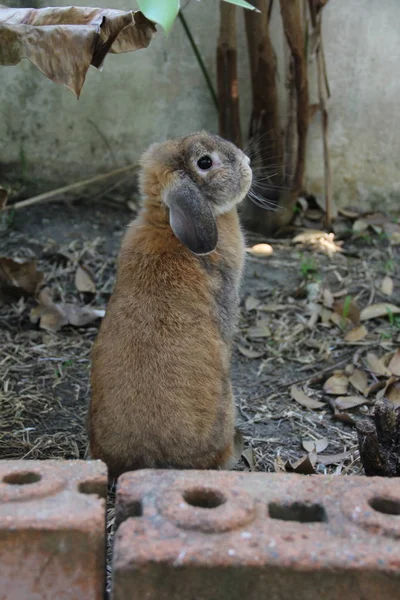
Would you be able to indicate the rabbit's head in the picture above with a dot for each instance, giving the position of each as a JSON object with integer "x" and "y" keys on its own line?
{"x": 197, "y": 178}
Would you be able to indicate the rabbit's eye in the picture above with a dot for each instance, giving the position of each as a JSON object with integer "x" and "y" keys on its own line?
{"x": 205, "y": 162}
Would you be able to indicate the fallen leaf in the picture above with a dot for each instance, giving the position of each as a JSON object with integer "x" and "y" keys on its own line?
{"x": 336, "y": 319}
{"x": 63, "y": 42}
{"x": 305, "y": 464}
{"x": 3, "y": 197}
{"x": 248, "y": 456}
{"x": 84, "y": 281}
{"x": 327, "y": 298}
{"x": 249, "y": 352}
{"x": 347, "y": 308}
{"x": 315, "y": 312}
{"x": 303, "y": 399}
{"x": 261, "y": 250}
{"x": 53, "y": 316}
{"x": 315, "y": 445}
{"x": 360, "y": 225}
{"x": 382, "y": 309}
{"x": 331, "y": 459}
{"x": 346, "y": 402}
{"x": 374, "y": 387}
{"x": 387, "y": 286}
{"x": 394, "y": 364}
{"x": 350, "y": 212}
{"x": 325, "y": 315}
{"x": 376, "y": 365}
{"x": 251, "y": 303}
{"x": 258, "y": 332}
{"x": 393, "y": 392}
{"x": 356, "y": 334}
{"x": 18, "y": 278}
{"x": 336, "y": 385}
{"x": 344, "y": 418}
{"x": 392, "y": 231}
{"x": 359, "y": 380}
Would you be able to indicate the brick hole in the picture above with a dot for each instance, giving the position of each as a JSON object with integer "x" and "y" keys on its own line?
{"x": 385, "y": 505}
{"x": 204, "y": 498}
{"x": 298, "y": 511}
{"x": 133, "y": 509}
{"x": 93, "y": 487}
{"x": 22, "y": 478}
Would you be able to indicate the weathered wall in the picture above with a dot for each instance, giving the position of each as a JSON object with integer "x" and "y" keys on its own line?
{"x": 159, "y": 92}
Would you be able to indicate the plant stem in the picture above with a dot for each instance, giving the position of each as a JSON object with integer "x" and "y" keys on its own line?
{"x": 199, "y": 59}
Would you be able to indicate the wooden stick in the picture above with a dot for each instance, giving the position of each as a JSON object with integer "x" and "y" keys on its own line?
{"x": 48, "y": 196}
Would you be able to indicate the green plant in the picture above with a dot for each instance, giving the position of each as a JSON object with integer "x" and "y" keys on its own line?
{"x": 308, "y": 267}
{"x": 394, "y": 320}
{"x": 345, "y": 311}
{"x": 389, "y": 266}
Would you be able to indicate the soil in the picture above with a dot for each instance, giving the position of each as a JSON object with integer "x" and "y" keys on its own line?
{"x": 44, "y": 376}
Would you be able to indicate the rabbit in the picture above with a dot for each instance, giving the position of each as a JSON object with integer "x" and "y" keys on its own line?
{"x": 160, "y": 378}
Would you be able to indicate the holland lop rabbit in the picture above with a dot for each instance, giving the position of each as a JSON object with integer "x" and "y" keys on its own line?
{"x": 161, "y": 391}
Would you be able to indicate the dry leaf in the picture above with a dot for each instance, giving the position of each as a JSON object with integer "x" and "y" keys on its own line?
{"x": 350, "y": 212}
{"x": 315, "y": 445}
{"x": 336, "y": 319}
{"x": 360, "y": 225}
{"x": 258, "y": 332}
{"x": 18, "y": 278}
{"x": 305, "y": 464}
{"x": 346, "y": 402}
{"x": 387, "y": 286}
{"x": 376, "y": 365}
{"x": 359, "y": 380}
{"x": 63, "y": 42}
{"x": 261, "y": 250}
{"x": 393, "y": 392}
{"x": 3, "y": 197}
{"x": 331, "y": 459}
{"x": 248, "y": 456}
{"x": 394, "y": 364}
{"x": 351, "y": 309}
{"x": 251, "y": 303}
{"x": 84, "y": 281}
{"x": 336, "y": 384}
{"x": 344, "y": 418}
{"x": 303, "y": 399}
{"x": 374, "y": 387}
{"x": 382, "y": 309}
{"x": 249, "y": 352}
{"x": 315, "y": 310}
{"x": 356, "y": 334}
{"x": 326, "y": 315}
{"x": 327, "y": 298}
{"x": 53, "y": 316}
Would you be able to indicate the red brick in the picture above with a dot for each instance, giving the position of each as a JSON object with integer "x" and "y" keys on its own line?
{"x": 337, "y": 546}
{"x": 52, "y": 530}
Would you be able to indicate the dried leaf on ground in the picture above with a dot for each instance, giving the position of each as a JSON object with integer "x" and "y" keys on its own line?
{"x": 304, "y": 466}
{"x": 344, "y": 417}
{"x": 331, "y": 459}
{"x": 327, "y": 298}
{"x": 3, "y": 197}
{"x": 336, "y": 385}
{"x": 251, "y": 303}
{"x": 360, "y": 225}
{"x": 359, "y": 380}
{"x": 83, "y": 280}
{"x": 18, "y": 278}
{"x": 374, "y": 387}
{"x": 347, "y": 308}
{"x": 376, "y": 365}
{"x": 53, "y": 316}
{"x": 382, "y": 309}
{"x": 248, "y": 455}
{"x": 303, "y": 399}
{"x": 393, "y": 391}
{"x": 346, "y": 402}
{"x": 315, "y": 445}
{"x": 258, "y": 332}
{"x": 261, "y": 250}
{"x": 356, "y": 334}
{"x": 394, "y": 364}
{"x": 63, "y": 42}
{"x": 249, "y": 352}
{"x": 387, "y": 286}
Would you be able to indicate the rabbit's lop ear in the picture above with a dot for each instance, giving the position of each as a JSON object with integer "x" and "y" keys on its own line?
{"x": 191, "y": 217}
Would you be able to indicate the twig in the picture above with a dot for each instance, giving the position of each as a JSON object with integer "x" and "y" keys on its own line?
{"x": 48, "y": 196}
{"x": 199, "y": 58}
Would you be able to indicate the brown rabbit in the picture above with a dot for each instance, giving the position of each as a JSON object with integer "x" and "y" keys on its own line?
{"x": 161, "y": 391}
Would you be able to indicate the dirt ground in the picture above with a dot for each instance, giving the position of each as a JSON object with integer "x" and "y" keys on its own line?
{"x": 282, "y": 340}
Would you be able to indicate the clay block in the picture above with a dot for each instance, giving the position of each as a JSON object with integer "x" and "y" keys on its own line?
{"x": 192, "y": 535}
{"x": 52, "y": 530}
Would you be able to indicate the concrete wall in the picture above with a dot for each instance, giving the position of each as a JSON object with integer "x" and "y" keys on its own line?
{"x": 159, "y": 92}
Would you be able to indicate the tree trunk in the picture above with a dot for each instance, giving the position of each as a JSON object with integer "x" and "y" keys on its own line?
{"x": 227, "y": 82}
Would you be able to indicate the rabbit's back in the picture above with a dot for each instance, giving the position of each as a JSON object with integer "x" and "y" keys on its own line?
{"x": 161, "y": 394}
